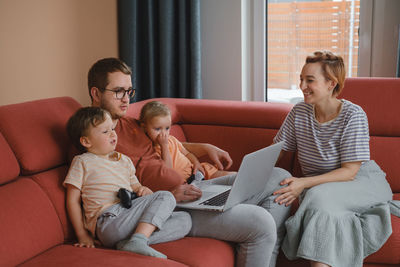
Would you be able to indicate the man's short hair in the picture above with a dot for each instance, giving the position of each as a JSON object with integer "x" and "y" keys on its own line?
{"x": 98, "y": 73}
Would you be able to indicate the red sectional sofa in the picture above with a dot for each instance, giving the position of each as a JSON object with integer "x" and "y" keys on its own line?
{"x": 34, "y": 226}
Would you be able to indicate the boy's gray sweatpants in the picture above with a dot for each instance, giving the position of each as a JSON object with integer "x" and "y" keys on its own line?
{"x": 117, "y": 223}
{"x": 257, "y": 225}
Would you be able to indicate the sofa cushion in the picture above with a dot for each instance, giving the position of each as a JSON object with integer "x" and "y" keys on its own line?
{"x": 224, "y": 124}
{"x": 231, "y": 113}
{"x": 51, "y": 183}
{"x": 36, "y": 132}
{"x": 68, "y": 255}
{"x": 230, "y": 139}
{"x": 29, "y": 224}
{"x": 188, "y": 251}
{"x": 221, "y": 112}
{"x": 386, "y": 152}
{"x": 9, "y": 164}
{"x": 382, "y": 92}
{"x": 389, "y": 253}
{"x": 192, "y": 250}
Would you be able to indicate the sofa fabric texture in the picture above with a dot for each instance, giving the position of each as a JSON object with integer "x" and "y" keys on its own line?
{"x": 34, "y": 226}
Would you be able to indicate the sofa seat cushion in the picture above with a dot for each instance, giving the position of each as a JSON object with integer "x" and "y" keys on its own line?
{"x": 68, "y": 255}
{"x": 283, "y": 261}
{"x": 9, "y": 164}
{"x": 36, "y": 132}
{"x": 196, "y": 252}
{"x": 189, "y": 251}
{"x": 389, "y": 253}
{"x": 29, "y": 224}
{"x": 378, "y": 265}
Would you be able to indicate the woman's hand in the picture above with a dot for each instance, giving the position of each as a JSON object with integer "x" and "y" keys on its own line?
{"x": 289, "y": 193}
{"x": 296, "y": 186}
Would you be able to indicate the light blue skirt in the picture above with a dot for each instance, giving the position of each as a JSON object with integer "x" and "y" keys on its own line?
{"x": 341, "y": 223}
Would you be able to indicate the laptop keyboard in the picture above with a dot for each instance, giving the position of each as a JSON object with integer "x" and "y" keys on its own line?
{"x": 217, "y": 200}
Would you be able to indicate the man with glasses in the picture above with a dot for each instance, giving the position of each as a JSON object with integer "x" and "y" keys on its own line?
{"x": 251, "y": 226}
{"x": 121, "y": 92}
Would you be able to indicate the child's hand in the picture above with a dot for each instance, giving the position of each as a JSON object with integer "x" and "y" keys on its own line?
{"x": 143, "y": 191}
{"x": 198, "y": 167}
{"x": 162, "y": 140}
{"x": 85, "y": 241}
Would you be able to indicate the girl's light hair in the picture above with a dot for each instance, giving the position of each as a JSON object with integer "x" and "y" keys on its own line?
{"x": 153, "y": 109}
{"x": 332, "y": 67}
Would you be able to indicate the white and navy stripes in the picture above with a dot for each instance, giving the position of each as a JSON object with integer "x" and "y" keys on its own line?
{"x": 323, "y": 147}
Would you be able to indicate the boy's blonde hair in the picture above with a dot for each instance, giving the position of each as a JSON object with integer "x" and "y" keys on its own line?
{"x": 153, "y": 109}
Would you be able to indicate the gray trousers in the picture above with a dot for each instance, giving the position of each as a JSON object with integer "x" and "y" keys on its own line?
{"x": 118, "y": 223}
{"x": 257, "y": 225}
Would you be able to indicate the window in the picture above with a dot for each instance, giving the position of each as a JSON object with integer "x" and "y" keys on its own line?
{"x": 295, "y": 29}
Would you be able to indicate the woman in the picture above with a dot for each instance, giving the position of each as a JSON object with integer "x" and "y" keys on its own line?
{"x": 344, "y": 213}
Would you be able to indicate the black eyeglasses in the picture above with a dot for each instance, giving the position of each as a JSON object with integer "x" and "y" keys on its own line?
{"x": 121, "y": 92}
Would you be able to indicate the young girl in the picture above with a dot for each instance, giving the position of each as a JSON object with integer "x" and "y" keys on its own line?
{"x": 155, "y": 118}
{"x": 96, "y": 176}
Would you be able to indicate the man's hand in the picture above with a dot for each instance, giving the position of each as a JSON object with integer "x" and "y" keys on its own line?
{"x": 186, "y": 193}
{"x": 220, "y": 157}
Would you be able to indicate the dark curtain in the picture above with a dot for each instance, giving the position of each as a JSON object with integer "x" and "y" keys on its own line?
{"x": 160, "y": 41}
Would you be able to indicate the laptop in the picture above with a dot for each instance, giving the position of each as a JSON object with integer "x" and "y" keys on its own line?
{"x": 252, "y": 177}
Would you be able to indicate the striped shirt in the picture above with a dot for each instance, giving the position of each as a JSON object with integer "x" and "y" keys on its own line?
{"x": 99, "y": 180}
{"x": 323, "y": 147}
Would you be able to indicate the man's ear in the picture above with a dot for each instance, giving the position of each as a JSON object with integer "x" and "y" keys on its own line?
{"x": 85, "y": 141}
{"x": 96, "y": 94}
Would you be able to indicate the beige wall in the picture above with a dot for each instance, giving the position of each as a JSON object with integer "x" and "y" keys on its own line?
{"x": 47, "y": 46}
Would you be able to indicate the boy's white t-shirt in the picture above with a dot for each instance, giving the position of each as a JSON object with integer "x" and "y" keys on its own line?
{"x": 99, "y": 180}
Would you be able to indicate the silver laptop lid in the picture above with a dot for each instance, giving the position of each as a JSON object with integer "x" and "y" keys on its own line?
{"x": 253, "y": 174}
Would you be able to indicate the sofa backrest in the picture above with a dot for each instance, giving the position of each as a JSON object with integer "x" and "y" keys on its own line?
{"x": 8, "y": 162}
{"x": 237, "y": 127}
{"x": 33, "y": 148}
{"x": 36, "y": 132}
{"x": 29, "y": 224}
{"x": 379, "y": 97}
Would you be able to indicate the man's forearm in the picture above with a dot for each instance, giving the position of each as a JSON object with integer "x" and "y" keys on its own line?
{"x": 198, "y": 149}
